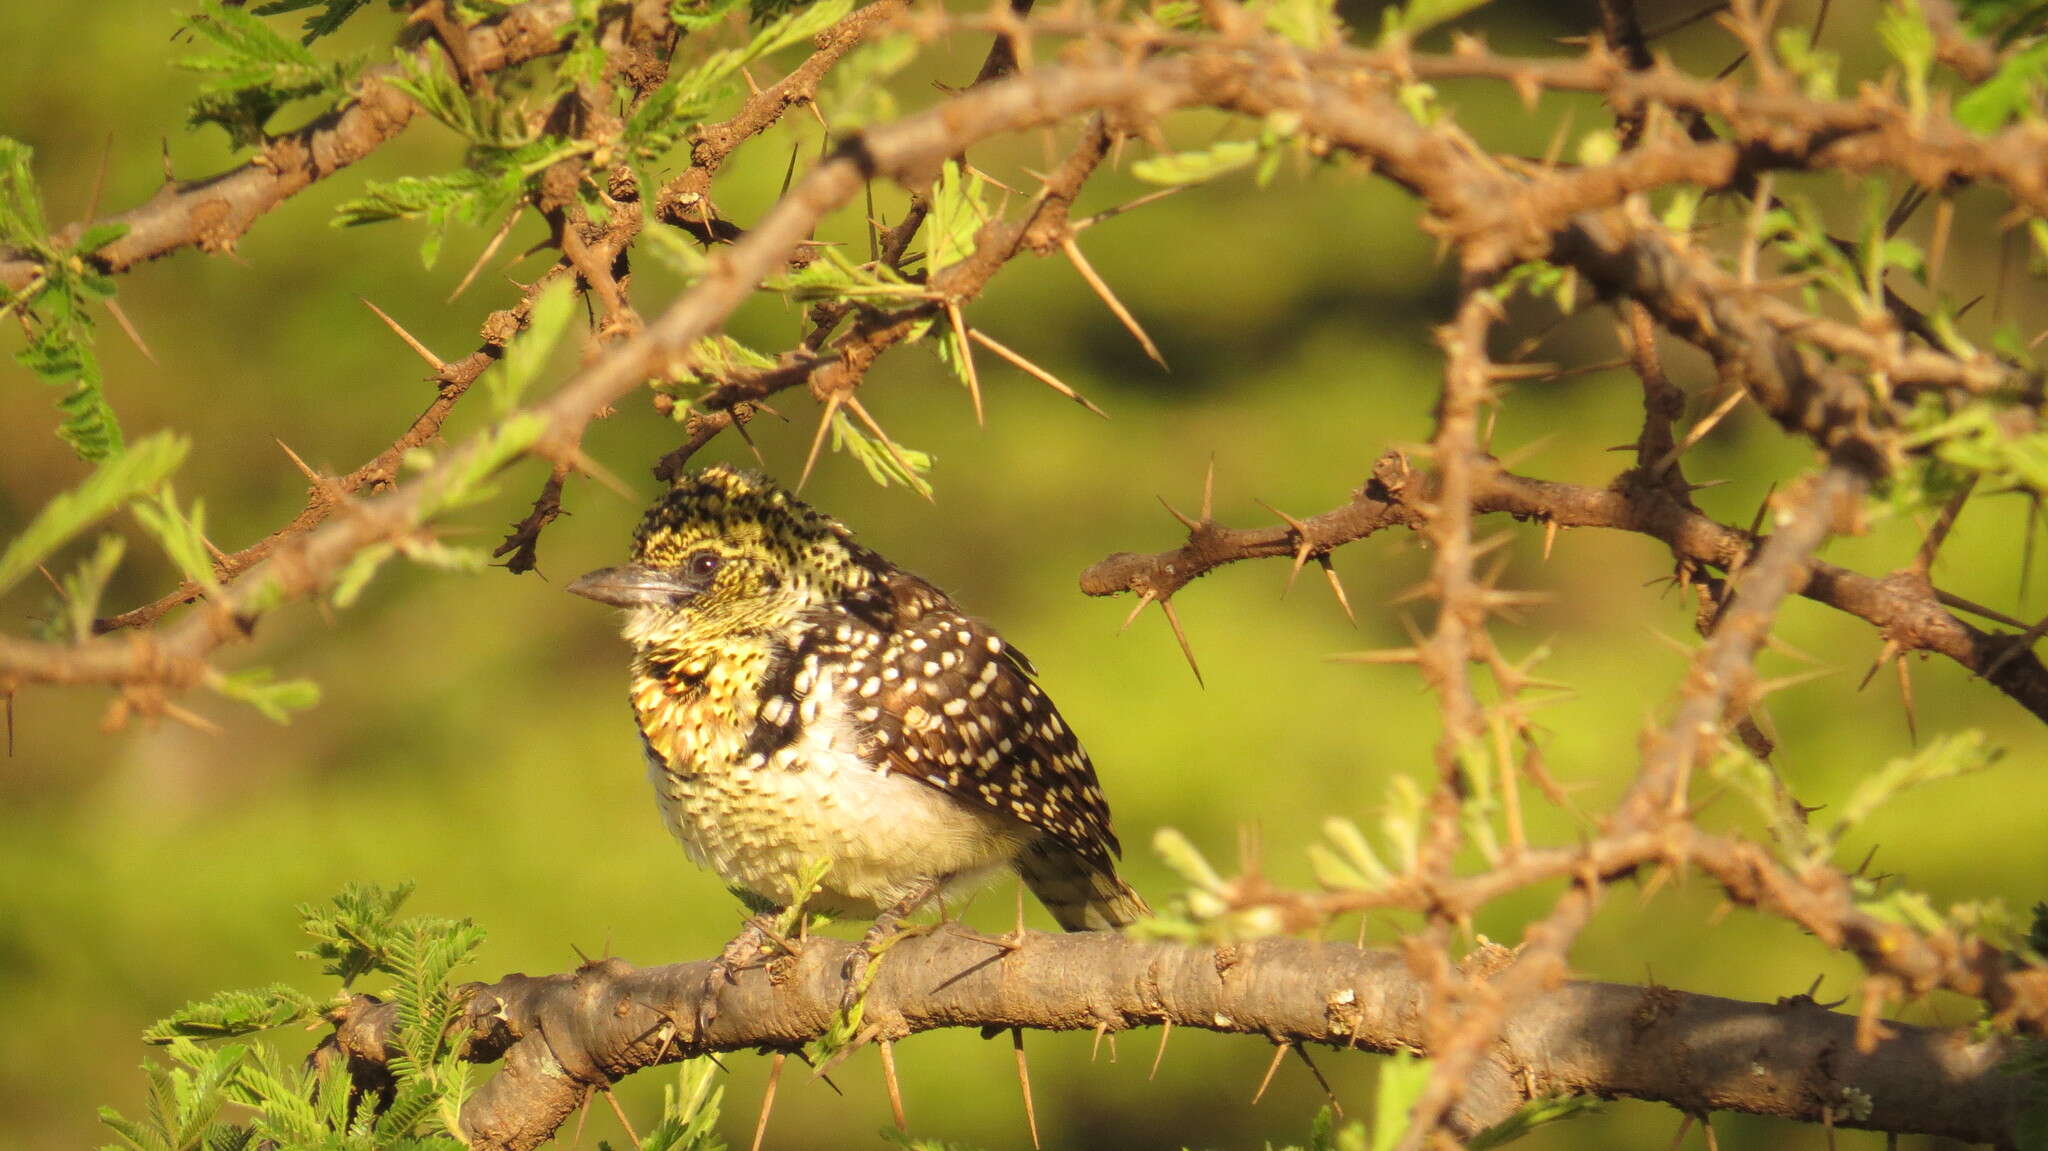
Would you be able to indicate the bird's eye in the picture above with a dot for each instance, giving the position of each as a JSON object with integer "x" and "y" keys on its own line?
{"x": 704, "y": 563}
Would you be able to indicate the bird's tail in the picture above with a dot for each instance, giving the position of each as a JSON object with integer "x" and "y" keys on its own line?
{"x": 1080, "y": 895}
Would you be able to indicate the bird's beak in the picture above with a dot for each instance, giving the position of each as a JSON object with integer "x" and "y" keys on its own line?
{"x": 631, "y": 586}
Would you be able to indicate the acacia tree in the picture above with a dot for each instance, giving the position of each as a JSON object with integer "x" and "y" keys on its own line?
{"x": 1682, "y": 221}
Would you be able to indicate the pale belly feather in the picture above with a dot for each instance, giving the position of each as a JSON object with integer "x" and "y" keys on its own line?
{"x": 883, "y": 834}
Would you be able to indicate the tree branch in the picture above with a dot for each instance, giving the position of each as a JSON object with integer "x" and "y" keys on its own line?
{"x": 1903, "y": 606}
{"x": 212, "y": 213}
{"x": 562, "y": 1034}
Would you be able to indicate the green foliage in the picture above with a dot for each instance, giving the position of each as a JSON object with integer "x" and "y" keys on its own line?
{"x": 1542, "y": 280}
{"x": 252, "y": 71}
{"x": 233, "y": 1013}
{"x": 527, "y": 356}
{"x": 332, "y": 15}
{"x": 690, "y": 93}
{"x": 1800, "y": 236}
{"x": 1227, "y": 156}
{"x": 489, "y": 451}
{"x": 259, "y": 688}
{"x": 81, "y": 590}
{"x": 689, "y": 1111}
{"x": 1945, "y": 757}
{"x": 1418, "y": 16}
{"x": 885, "y": 460}
{"x": 2009, "y": 93}
{"x": 1818, "y": 70}
{"x": 1314, "y": 24}
{"x": 832, "y": 276}
{"x": 1972, "y": 441}
{"x": 21, "y": 203}
{"x": 857, "y": 90}
{"x": 1755, "y": 781}
{"x": 354, "y": 935}
{"x": 1535, "y": 1113}
{"x": 357, "y": 573}
{"x": 1402, "y": 1078}
{"x": 505, "y": 153}
{"x": 1350, "y": 862}
{"x": 1906, "y": 35}
{"x": 182, "y": 534}
{"x": 1198, "y": 166}
{"x": 959, "y": 208}
{"x": 55, "y": 307}
{"x": 2009, "y": 19}
{"x": 481, "y": 117}
{"x": 293, "y": 1108}
{"x": 113, "y": 483}
{"x": 183, "y": 1107}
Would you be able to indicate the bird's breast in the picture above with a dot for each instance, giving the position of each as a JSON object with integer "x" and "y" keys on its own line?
{"x": 758, "y": 820}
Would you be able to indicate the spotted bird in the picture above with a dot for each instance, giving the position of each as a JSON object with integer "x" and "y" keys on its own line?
{"x": 804, "y": 701}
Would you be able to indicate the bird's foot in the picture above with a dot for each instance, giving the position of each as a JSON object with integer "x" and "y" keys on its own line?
{"x": 864, "y": 962}
{"x": 747, "y": 949}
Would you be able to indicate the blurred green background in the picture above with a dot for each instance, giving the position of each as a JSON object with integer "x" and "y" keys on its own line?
{"x": 474, "y": 735}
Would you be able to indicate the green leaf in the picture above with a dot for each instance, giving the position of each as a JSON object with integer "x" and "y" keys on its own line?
{"x": 1196, "y": 167}
{"x": 1419, "y": 16}
{"x": 1905, "y": 34}
{"x": 958, "y": 211}
{"x": 1816, "y": 68}
{"x": 1402, "y": 1078}
{"x": 883, "y": 465}
{"x": 1531, "y": 1115}
{"x": 327, "y": 21}
{"x": 1312, "y": 24}
{"x": 1947, "y": 757}
{"x": 99, "y": 236}
{"x": 276, "y": 699}
{"x": 528, "y": 354}
{"x": 84, "y": 586}
{"x": 21, "y": 204}
{"x": 1756, "y": 781}
{"x": 353, "y": 932}
{"x": 59, "y": 352}
{"x": 480, "y": 116}
{"x": 701, "y": 15}
{"x": 832, "y": 276}
{"x": 676, "y": 251}
{"x": 689, "y": 1111}
{"x": 791, "y": 28}
{"x": 2008, "y": 94}
{"x": 357, "y": 573}
{"x": 252, "y": 72}
{"x": 234, "y": 1013}
{"x": 858, "y": 91}
{"x": 115, "y": 482}
{"x": 492, "y": 181}
{"x": 182, "y": 534}
{"x": 469, "y": 481}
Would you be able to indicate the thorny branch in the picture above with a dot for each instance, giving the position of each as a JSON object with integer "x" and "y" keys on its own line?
{"x": 560, "y": 1035}
{"x": 1501, "y": 1026}
{"x": 1902, "y": 605}
{"x": 212, "y": 213}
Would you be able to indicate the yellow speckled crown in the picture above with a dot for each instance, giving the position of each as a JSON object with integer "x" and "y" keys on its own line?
{"x": 736, "y": 512}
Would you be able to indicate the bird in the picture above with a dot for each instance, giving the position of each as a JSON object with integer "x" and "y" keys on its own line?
{"x": 804, "y": 703}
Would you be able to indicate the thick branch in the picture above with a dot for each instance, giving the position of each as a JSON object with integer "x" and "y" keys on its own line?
{"x": 561, "y": 1034}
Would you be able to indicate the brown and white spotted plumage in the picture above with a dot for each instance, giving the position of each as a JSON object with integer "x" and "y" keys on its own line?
{"x": 804, "y": 701}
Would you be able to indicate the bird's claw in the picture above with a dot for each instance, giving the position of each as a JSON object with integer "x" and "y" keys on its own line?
{"x": 741, "y": 952}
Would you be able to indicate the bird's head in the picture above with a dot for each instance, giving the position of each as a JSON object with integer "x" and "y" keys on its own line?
{"x": 728, "y": 553}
